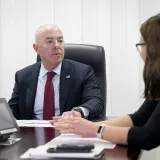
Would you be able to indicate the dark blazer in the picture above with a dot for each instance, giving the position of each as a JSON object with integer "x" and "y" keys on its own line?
{"x": 80, "y": 89}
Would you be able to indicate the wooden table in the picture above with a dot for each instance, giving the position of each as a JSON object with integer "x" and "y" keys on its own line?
{"x": 33, "y": 137}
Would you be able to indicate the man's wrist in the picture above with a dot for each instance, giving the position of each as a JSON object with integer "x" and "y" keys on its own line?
{"x": 78, "y": 109}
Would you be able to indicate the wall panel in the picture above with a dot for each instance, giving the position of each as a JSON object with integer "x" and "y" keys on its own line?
{"x": 68, "y": 15}
{"x": 13, "y": 42}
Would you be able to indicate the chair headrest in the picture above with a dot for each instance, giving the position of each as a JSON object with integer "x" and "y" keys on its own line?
{"x": 87, "y": 54}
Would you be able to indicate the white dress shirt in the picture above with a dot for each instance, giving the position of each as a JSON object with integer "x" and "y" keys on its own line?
{"x": 39, "y": 98}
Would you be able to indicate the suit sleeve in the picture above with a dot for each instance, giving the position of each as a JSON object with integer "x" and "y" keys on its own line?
{"x": 14, "y": 101}
{"x": 146, "y": 136}
{"x": 91, "y": 95}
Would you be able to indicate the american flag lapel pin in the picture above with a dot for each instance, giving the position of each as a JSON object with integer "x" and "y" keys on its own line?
{"x": 68, "y": 76}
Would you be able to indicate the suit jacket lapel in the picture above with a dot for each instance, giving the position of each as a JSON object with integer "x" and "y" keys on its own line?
{"x": 66, "y": 79}
{"x": 31, "y": 88}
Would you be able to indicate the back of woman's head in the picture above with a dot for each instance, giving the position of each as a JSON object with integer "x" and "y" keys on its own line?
{"x": 150, "y": 31}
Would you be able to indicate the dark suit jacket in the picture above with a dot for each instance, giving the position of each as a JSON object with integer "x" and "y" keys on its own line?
{"x": 80, "y": 89}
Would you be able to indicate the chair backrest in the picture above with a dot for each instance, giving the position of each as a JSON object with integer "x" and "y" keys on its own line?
{"x": 91, "y": 55}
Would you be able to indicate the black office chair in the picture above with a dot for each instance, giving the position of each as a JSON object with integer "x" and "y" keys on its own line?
{"x": 91, "y": 55}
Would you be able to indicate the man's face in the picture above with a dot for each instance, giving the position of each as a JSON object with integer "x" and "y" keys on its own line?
{"x": 50, "y": 47}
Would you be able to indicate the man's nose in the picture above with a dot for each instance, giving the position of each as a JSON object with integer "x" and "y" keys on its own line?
{"x": 56, "y": 44}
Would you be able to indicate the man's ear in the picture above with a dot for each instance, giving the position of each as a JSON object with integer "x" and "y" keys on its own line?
{"x": 36, "y": 48}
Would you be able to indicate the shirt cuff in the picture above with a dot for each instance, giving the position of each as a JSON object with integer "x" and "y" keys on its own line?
{"x": 85, "y": 111}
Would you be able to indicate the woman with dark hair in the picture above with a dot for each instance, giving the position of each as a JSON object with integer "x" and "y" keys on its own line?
{"x": 141, "y": 129}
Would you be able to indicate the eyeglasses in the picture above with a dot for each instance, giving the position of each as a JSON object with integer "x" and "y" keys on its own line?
{"x": 139, "y": 46}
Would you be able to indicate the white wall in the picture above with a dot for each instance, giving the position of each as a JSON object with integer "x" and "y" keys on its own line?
{"x": 113, "y": 24}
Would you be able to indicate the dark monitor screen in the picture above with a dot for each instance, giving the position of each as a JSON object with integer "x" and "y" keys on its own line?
{"x": 7, "y": 121}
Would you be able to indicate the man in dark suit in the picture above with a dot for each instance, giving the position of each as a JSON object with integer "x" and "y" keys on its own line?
{"x": 55, "y": 86}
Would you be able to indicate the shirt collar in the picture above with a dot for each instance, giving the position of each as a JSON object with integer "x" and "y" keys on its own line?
{"x": 43, "y": 70}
